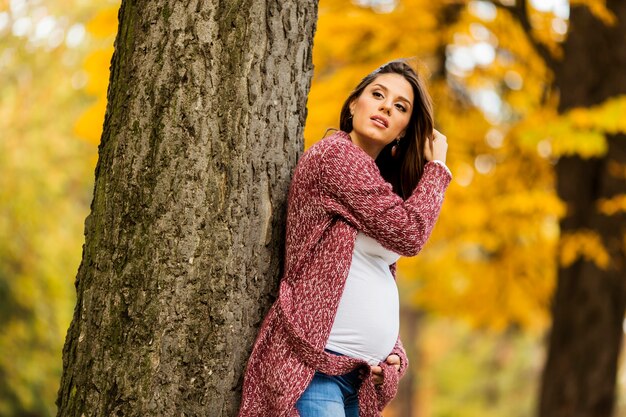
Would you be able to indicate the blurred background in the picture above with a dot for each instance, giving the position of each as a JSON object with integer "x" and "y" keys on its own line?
{"x": 476, "y": 301}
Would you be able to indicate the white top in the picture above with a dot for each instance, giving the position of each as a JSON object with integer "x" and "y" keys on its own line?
{"x": 368, "y": 317}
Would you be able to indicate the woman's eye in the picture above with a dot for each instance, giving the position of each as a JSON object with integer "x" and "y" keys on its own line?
{"x": 401, "y": 107}
{"x": 376, "y": 94}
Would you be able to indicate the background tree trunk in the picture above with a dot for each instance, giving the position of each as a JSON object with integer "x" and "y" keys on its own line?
{"x": 183, "y": 246}
{"x": 589, "y": 304}
{"x": 408, "y": 388}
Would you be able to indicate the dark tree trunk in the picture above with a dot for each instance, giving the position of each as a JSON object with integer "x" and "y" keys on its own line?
{"x": 589, "y": 304}
{"x": 408, "y": 388}
{"x": 183, "y": 246}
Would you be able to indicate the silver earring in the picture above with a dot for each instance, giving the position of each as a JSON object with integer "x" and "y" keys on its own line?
{"x": 394, "y": 148}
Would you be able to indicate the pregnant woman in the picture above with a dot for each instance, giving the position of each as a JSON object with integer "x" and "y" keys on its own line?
{"x": 359, "y": 199}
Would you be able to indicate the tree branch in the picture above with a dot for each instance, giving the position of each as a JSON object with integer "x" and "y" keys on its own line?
{"x": 520, "y": 12}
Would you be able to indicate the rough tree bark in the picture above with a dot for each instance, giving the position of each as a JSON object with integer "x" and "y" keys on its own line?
{"x": 183, "y": 246}
{"x": 589, "y": 304}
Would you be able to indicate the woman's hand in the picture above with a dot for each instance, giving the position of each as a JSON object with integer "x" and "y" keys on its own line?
{"x": 377, "y": 371}
{"x": 436, "y": 147}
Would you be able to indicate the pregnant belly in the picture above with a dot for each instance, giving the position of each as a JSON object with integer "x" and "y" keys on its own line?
{"x": 367, "y": 321}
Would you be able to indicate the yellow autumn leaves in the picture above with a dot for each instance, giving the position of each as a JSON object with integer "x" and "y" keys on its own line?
{"x": 97, "y": 63}
{"x": 493, "y": 255}
{"x": 580, "y": 131}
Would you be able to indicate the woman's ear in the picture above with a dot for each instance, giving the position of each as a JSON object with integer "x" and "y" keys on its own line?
{"x": 352, "y": 105}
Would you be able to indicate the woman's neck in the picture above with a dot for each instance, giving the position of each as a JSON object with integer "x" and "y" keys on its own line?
{"x": 370, "y": 148}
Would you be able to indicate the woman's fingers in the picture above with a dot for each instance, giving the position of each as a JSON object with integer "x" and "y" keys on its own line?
{"x": 377, "y": 371}
{"x": 377, "y": 376}
{"x": 394, "y": 360}
{"x": 428, "y": 149}
{"x": 438, "y": 146}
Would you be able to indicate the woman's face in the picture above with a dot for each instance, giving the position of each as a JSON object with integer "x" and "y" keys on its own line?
{"x": 381, "y": 113}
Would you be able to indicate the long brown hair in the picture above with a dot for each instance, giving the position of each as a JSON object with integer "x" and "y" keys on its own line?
{"x": 405, "y": 170}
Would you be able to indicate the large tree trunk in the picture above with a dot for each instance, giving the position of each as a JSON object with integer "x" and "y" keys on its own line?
{"x": 588, "y": 310}
{"x": 183, "y": 246}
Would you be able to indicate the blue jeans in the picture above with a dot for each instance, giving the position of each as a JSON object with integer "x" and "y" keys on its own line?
{"x": 331, "y": 395}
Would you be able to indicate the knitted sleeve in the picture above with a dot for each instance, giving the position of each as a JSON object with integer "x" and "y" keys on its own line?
{"x": 437, "y": 161}
{"x": 352, "y": 187}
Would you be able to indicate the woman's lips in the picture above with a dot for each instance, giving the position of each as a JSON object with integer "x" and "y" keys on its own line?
{"x": 379, "y": 121}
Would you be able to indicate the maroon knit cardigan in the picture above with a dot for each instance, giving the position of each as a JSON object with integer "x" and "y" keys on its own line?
{"x": 336, "y": 190}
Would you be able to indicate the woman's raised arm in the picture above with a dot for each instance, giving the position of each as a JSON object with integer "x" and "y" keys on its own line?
{"x": 353, "y": 188}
